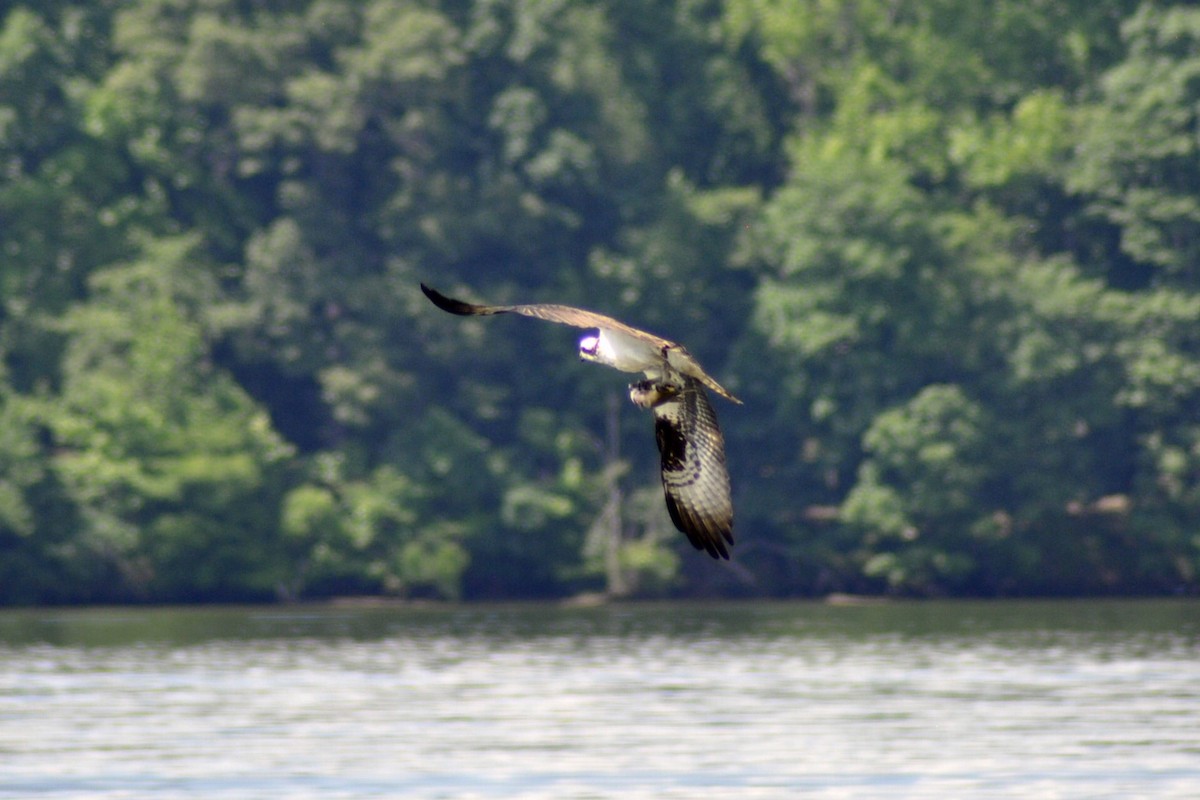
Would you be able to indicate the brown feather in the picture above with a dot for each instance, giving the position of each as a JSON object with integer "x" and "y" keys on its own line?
{"x": 695, "y": 480}
{"x": 690, "y": 445}
{"x": 581, "y": 318}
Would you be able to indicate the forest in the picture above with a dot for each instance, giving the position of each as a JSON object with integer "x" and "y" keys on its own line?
{"x": 946, "y": 251}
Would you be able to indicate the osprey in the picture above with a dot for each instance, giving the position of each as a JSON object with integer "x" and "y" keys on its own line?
{"x": 690, "y": 445}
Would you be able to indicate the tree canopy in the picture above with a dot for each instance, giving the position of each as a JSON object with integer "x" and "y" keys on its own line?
{"x": 946, "y": 252}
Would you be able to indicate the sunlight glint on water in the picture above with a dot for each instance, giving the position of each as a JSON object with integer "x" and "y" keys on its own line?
{"x": 742, "y": 701}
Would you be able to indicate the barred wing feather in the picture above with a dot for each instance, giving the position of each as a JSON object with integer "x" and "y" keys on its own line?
{"x": 695, "y": 480}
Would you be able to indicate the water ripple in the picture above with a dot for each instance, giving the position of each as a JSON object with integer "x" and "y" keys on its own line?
{"x": 656, "y": 702}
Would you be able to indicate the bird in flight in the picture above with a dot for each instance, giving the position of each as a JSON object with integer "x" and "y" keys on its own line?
{"x": 690, "y": 445}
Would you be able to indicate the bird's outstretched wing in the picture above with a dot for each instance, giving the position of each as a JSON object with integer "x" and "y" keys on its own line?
{"x": 695, "y": 480}
{"x": 675, "y": 354}
{"x": 565, "y": 315}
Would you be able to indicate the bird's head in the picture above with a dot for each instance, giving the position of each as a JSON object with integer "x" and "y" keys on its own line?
{"x": 649, "y": 394}
{"x": 589, "y": 348}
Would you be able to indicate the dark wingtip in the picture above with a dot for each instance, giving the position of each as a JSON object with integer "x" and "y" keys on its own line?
{"x": 712, "y": 541}
{"x": 714, "y": 547}
{"x": 727, "y": 533}
{"x": 718, "y": 551}
{"x": 448, "y": 303}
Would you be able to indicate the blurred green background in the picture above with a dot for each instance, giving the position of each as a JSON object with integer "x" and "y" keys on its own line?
{"x": 947, "y": 252}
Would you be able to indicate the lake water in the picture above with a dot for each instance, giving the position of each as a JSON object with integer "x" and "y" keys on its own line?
{"x": 739, "y": 700}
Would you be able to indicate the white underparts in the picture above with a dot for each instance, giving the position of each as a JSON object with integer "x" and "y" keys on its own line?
{"x": 621, "y": 351}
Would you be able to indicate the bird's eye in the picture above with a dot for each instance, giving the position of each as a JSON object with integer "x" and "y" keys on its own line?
{"x": 588, "y": 345}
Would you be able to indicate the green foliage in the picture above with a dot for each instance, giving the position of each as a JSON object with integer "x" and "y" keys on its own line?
{"x": 904, "y": 270}
{"x": 945, "y": 251}
{"x": 159, "y": 449}
{"x": 1137, "y": 155}
{"x": 341, "y": 531}
{"x": 20, "y": 466}
{"x": 920, "y": 489}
